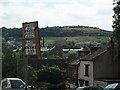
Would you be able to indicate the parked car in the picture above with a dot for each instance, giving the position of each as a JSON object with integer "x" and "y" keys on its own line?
{"x": 12, "y": 83}
{"x": 89, "y": 88}
{"x": 113, "y": 86}
{"x": 15, "y": 84}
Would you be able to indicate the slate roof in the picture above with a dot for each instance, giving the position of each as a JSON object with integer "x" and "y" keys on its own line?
{"x": 93, "y": 55}
{"x": 90, "y": 56}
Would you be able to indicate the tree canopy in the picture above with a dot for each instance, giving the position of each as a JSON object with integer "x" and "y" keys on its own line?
{"x": 116, "y": 26}
{"x": 69, "y": 31}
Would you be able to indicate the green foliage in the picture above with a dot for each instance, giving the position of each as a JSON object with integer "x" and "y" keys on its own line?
{"x": 72, "y": 56}
{"x": 8, "y": 62}
{"x": 49, "y": 40}
{"x": 116, "y": 23}
{"x": 46, "y": 86}
{"x": 116, "y": 26}
{"x": 73, "y": 31}
{"x": 31, "y": 72}
{"x": 50, "y": 74}
{"x": 16, "y": 33}
{"x": 50, "y": 45}
{"x": 32, "y": 75}
{"x": 21, "y": 69}
{"x": 50, "y": 68}
{"x": 45, "y": 54}
{"x": 11, "y": 62}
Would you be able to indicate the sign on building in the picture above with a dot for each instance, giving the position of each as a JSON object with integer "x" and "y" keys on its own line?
{"x": 30, "y": 38}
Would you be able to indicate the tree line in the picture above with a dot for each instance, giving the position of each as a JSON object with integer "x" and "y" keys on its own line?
{"x": 68, "y": 31}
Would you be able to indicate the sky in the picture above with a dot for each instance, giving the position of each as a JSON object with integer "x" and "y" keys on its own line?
{"x": 94, "y": 13}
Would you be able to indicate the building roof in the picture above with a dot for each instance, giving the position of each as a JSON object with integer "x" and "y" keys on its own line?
{"x": 93, "y": 55}
{"x": 74, "y": 62}
{"x": 75, "y": 50}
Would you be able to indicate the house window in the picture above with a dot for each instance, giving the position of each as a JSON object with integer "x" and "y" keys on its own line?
{"x": 87, "y": 70}
{"x": 86, "y": 83}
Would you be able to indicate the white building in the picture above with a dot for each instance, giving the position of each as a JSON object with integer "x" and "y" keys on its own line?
{"x": 86, "y": 70}
{"x": 85, "y": 73}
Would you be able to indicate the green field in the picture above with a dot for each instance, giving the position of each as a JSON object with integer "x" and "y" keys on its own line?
{"x": 75, "y": 39}
{"x": 86, "y": 29}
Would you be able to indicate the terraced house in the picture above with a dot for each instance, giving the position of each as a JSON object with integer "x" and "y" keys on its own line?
{"x": 98, "y": 67}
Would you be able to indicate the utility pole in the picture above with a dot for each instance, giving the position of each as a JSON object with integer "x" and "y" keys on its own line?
{"x": 26, "y": 71}
{"x": 0, "y": 68}
{"x": 0, "y": 54}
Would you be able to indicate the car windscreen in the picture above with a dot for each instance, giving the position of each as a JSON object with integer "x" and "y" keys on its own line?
{"x": 17, "y": 84}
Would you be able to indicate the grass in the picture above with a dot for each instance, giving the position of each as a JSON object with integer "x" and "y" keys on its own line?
{"x": 87, "y": 29}
{"x": 75, "y": 39}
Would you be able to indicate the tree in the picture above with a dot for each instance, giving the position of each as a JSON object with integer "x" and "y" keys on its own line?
{"x": 72, "y": 56}
{"x": 32, "y": 75}
{"x": 51, "y": 74}
{"x": 45, "y": 54}
{"x": 14, "y": 66}
{"x": 8, "y": 62}
{"x": 116, "y": 25}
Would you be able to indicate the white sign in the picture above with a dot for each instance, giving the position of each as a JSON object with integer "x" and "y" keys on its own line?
{"x": 30, "y": 38}
{"x": 29, "y": 31}
{"x": 30, "y": 47}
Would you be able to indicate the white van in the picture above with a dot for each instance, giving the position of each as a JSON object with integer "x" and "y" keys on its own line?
{"x": 12, "y": 84}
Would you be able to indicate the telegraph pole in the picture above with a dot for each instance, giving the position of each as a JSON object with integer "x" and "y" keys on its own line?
{"x": 0, "y": 54}
{"x": 26, "y": 71}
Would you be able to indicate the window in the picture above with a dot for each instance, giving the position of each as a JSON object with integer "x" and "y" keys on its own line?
{"x": 16, "y": 84}
{"x": 4, "y": 84}
{"x": 86, "y": 83}
{"x": 87, "y": 70}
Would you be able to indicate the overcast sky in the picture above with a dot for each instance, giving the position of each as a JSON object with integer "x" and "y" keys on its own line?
{"x": 96, "y": 13}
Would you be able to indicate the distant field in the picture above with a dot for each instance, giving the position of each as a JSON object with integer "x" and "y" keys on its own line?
{"x": 87, "y": 29}
{"x": 75, "y": 39}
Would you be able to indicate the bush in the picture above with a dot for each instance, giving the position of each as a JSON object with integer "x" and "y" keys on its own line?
{"x": 46, "y": 86}
{"x": 50, "y": 74}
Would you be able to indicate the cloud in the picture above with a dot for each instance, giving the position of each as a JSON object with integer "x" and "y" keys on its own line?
{"x": 56, "y": 12}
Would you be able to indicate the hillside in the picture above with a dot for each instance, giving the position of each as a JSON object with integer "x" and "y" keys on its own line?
{"x": 73, "y": 31}
{"x": 58, "y": 31}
